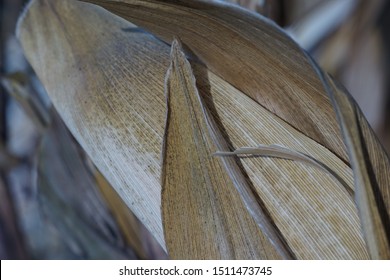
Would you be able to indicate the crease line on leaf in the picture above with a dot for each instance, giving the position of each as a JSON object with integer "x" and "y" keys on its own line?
{"x": 278, "y": 151}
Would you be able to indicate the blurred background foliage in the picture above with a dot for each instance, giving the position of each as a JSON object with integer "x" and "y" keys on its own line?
{"x": 54, "y": 204}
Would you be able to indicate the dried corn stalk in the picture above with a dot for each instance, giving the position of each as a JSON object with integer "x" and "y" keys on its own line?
{"x": 106, "y": 78}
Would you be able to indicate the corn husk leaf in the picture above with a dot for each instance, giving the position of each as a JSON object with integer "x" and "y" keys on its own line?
{"x": 248, "y": 51}
{"x": 202, "y": 211}
{"x": 372, "y": 187}
{"x": 68, "y": 32}
{"x": 222, "y": 23}
{"x": 107, "y": 82}
{"x": 295, "y": 194}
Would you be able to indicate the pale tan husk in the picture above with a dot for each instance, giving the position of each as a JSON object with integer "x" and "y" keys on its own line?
{"x": 106, "y": 78}
{"x": 248, "y": 51}
{"x": 201, "y": 195}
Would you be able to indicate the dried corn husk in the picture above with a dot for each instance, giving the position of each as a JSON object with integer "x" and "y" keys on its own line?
{"x": 219, "y": 226}
{"x": 249, "y": 52}
{"x": 241, "y": 23}
{"x": 107, "y": 82}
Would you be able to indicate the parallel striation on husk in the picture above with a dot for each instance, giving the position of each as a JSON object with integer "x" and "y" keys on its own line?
{"x": 257, "y": 57}
{"x": 203, "y": 215}
{"x": 247, "y": 50}
{"x": 106, "y": 78}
